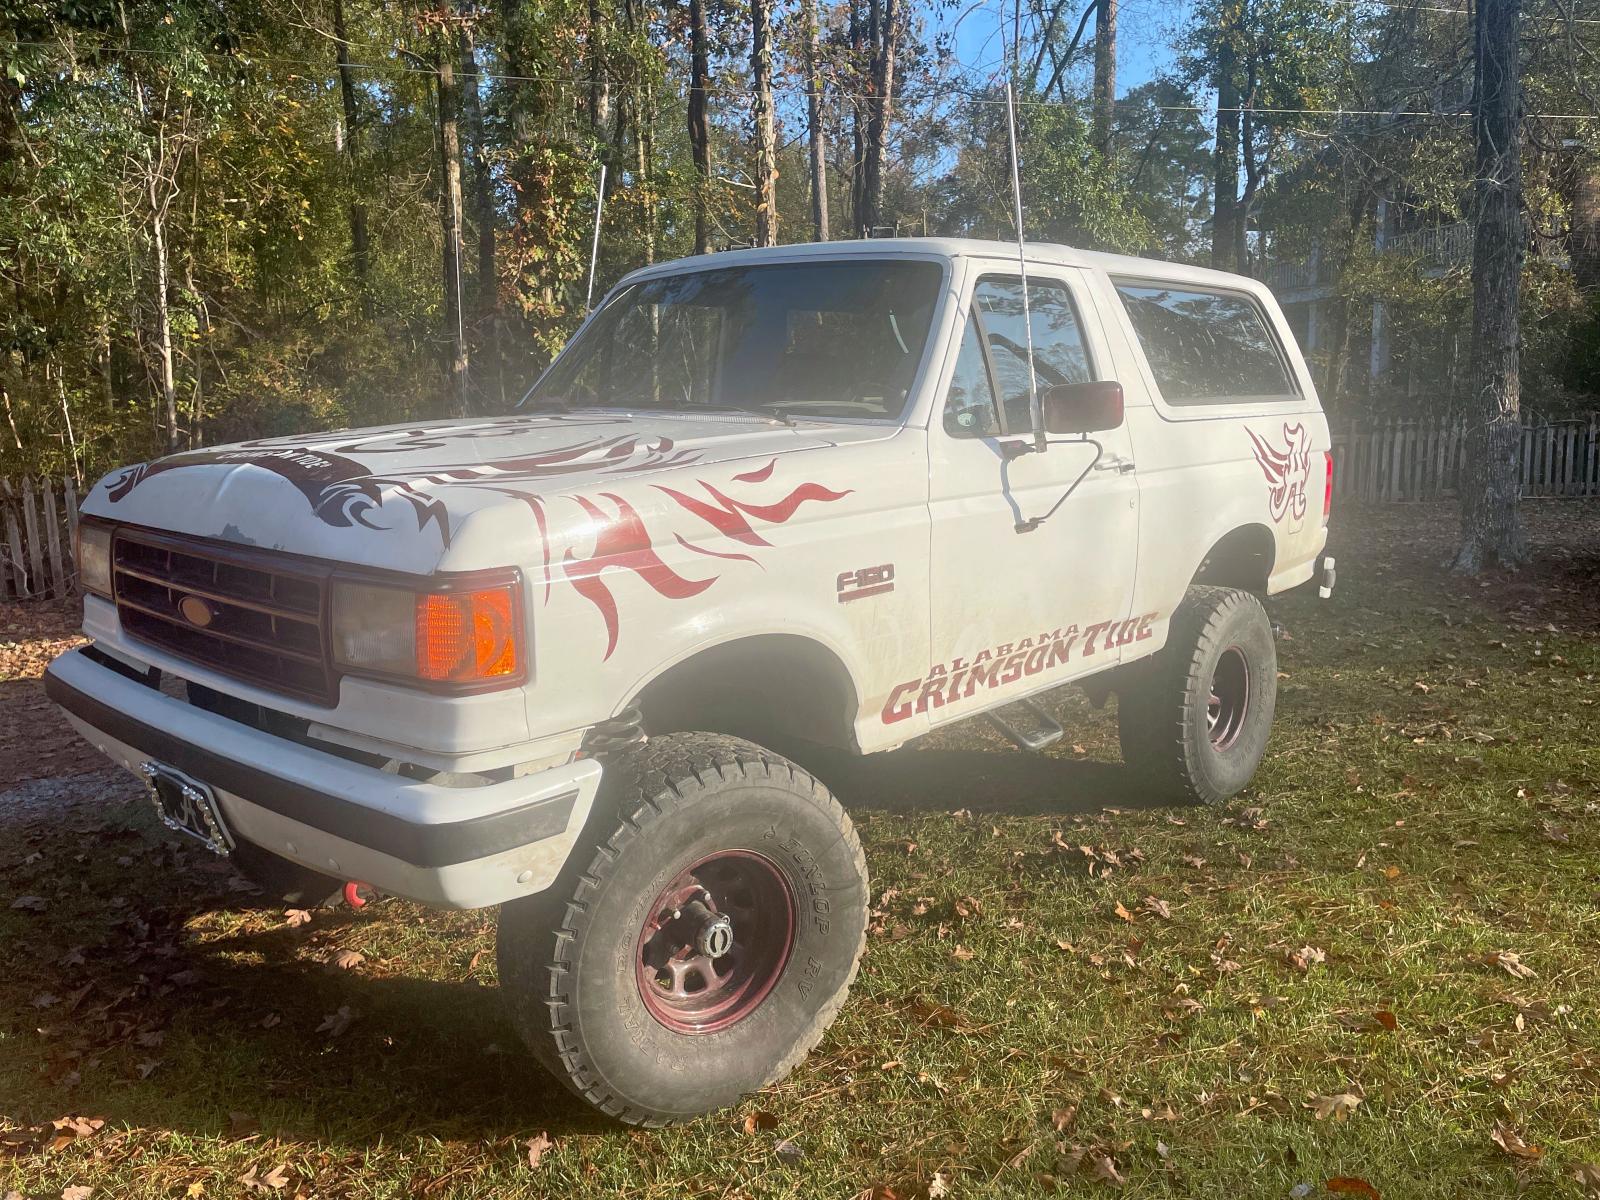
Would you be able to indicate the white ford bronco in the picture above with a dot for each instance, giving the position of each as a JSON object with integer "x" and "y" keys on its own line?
{"x": 567, "y": 660}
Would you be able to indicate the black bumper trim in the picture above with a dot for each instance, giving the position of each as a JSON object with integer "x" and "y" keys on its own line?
{"x": 420, "y": 845}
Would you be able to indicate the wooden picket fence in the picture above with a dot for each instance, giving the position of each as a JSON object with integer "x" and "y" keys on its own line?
{"x": 1397, "y": 460}
{"x": 38, "y": 521}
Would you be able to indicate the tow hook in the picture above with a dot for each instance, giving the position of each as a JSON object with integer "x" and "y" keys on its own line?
{"x": 353, "y": 896}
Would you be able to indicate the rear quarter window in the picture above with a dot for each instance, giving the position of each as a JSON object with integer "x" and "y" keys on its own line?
{"x": 1206, "y": 347}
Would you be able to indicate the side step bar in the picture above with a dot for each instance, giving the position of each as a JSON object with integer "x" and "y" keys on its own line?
{"x": 1045, "y": 732}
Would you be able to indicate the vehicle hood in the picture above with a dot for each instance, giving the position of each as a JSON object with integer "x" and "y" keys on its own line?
{"x": 420, "y": 497}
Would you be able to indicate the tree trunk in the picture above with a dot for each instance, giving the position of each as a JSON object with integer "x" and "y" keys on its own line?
{"x": 359, "y": 255}
{"x": 766, "y": 137}
{"x": 483, "y": 216}
{"x": 1585, "y": 249}
{"x": 450, "y": 226}
{"x": 1225, "y": 183}
{"x": 1105, "y": 74}
{"x": 858, "y": 117}
{"x": 818, "y": 135}
{"x": 1491, "y": 527}
{"x": 699, "y": 126}
{"x": 599, "y": 81}
{"x": 881, "y": 99}
{"x": 168, "y": 380}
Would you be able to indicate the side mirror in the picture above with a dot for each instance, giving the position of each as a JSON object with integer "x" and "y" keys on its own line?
{"x": 1082, "y": 407}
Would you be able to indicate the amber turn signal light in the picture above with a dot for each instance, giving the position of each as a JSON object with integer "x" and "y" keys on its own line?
{"x": 467, "y": 637}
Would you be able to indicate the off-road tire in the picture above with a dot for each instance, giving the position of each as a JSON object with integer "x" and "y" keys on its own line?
{"x": 567, "y": 956}
{"x": 284, "y": 880}
{"x": 1162, "y": 707}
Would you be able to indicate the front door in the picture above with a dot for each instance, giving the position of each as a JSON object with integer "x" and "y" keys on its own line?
{"x": 1017, "y": 612}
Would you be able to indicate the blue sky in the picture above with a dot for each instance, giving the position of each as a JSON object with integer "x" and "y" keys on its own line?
{"x": 1145, "y": 34}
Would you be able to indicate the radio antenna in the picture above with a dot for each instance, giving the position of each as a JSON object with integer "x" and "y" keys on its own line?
{"x": 1035, "y": 415}
{"x": 594, "y": 245}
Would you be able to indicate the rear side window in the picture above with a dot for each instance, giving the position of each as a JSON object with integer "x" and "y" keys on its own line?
{"x": 1207, "y": 347}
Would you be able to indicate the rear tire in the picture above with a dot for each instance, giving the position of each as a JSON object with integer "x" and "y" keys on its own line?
{"x": 613, "y": 976}
{"x": 1194, "y": 721}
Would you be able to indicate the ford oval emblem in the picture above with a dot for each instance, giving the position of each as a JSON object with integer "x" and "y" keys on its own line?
{"x": 197, "y": 611}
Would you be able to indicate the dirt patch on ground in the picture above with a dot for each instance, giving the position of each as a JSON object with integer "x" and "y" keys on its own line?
{"x": 35, "y": 740}
{"x": 1558, "y": 591}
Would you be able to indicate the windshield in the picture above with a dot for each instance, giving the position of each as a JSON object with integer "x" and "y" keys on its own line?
{"x": 827, "y": 339}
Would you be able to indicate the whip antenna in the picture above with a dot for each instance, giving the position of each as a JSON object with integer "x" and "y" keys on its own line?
{"x": 594, "y": 246}
{"x": 1035, "y": 415}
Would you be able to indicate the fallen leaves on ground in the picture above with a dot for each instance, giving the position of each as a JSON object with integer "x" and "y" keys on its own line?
{"x": 1351, "y": 1185}
{"x": 1509, "y": 1140}
{"x": 537, "y": 1147}
{"x": 347, "y": 960}
{"x": 757, "y": 1121}
{"x": 1338, "y": 1105}
{"x": 1510, "y": 962}
{"x": 1305, "y": 958}
{"x": 274, "y": 1180}
{"x": 336, "y": 1023}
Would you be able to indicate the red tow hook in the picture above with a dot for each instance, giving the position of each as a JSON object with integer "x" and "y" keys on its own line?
{"x": 353, "y": 896}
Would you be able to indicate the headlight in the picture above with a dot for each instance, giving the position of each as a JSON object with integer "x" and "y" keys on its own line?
{"x": 94, "y": 557}
{"x": 467, "y": 637}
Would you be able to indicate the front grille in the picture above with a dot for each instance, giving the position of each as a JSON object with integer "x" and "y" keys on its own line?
{"x": 260, "y": 620}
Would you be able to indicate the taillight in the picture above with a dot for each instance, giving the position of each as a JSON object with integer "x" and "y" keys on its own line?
{"x": 1327, "y": 491}
{"x": 468, "y": 638}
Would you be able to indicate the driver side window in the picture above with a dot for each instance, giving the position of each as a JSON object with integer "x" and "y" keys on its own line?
{"x": 994, "y": 356}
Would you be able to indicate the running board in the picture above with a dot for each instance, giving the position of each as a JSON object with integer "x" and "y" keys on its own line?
{"x": 1046, "y": 731}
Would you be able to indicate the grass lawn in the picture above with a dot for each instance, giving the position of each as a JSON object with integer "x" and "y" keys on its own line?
{"x": 1380, "y": 964}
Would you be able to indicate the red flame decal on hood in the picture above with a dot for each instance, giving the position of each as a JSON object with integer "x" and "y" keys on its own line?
{"x": 624, "y": 542}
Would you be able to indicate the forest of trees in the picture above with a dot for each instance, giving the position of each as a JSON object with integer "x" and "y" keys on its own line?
{"x": 230, "y": 218}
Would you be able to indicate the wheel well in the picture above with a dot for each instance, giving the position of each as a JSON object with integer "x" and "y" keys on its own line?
{"x": 1243, "y": 559}
{"x": 775, "y": 689}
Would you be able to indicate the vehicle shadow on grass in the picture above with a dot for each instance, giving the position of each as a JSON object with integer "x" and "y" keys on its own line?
{"x": 917, "y": 779}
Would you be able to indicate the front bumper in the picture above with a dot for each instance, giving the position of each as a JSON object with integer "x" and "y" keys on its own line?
{"x": 455, "y": 847}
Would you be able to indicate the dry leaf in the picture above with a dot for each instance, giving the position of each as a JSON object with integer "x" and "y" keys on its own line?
{"x": 296, "y": 916}
{"x": 1105, "y": 1170}
{"x": 347, "y": 960}
{"x": 274, "y": 1180}
{"x": 938, "y": 1186}
{"x": 1511, "y": 1142}
{"x": 1159, "y": 907}
{"x": 77, "y": 1191}
{"x": 1511, "y": 963}
{"x": 1339, "y": 1105}
{"x": 758, "y": 1121}
{"x": 962, "y": 954}
{"x": 1588, "y": 1177}
{"x": 537, "y": 1146}
{"x": 1304, "y": 958}
{"x": 1350, "y": 1185}
{"x": 1123, "y": 913}
{"x": 336, "y": 1023}
{"x": 31, "y": 903}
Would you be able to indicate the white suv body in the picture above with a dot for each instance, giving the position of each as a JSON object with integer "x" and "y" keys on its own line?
{"x": 864, "y": 550}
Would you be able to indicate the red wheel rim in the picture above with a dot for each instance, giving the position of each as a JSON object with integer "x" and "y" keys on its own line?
{"x": 1230, "y": 698}
{"x": 695, "y": 973}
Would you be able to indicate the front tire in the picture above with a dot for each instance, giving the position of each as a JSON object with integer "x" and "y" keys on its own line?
{"x": 1194, "y": 721}
{"x": 702, "y": 944}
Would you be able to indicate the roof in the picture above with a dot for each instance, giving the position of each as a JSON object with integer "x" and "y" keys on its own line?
{"x": 953, "y": 248}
